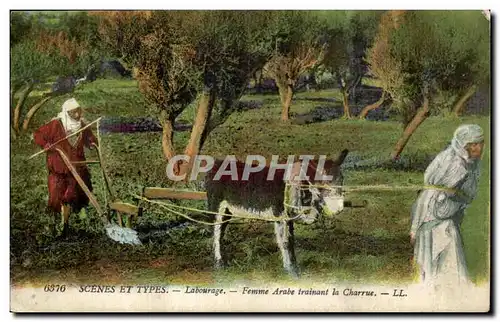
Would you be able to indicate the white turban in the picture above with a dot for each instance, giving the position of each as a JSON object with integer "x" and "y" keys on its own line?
{"x": 70, "y": 124}
{"x": 468, "y": 133}
{"x": 465, "y": 134}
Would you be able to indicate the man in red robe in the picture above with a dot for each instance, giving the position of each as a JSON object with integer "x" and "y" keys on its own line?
{"x": 65, "y": 194}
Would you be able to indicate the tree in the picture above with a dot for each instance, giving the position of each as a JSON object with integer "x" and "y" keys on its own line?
{"x": 338, "y": 53}
{"x": 36, "y": 56}
{"x": 466, "y": 36}
{"x": 299, "y": 45}
{"x": 417, "y": 50}
{"x": 20, "y": 26}
{"x": 181, "y": 57}
{"x": 423, "y": 53}
{"x": 350, "y": 33}
{"x": 382, "y": 64}
{"x": 30, "y": 68}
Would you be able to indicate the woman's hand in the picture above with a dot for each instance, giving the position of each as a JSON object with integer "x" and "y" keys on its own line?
{"x": 412, "y": 238}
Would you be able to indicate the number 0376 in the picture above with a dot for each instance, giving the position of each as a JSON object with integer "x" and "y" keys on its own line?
{"x": 54, "y": 288}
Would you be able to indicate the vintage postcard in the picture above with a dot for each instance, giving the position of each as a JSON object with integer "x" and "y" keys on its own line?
{"x": 250, "y": 161}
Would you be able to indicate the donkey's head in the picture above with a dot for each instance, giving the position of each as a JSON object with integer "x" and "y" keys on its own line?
{"x": 321, "y": 196}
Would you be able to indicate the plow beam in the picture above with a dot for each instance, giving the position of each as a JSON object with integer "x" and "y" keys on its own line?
{"x": 167, "y": 193}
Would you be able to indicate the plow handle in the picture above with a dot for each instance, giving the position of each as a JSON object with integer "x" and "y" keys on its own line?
{"x": 82, "y": 184}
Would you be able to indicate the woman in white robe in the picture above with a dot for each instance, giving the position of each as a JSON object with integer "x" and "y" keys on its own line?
{"x": 450, "y": 186}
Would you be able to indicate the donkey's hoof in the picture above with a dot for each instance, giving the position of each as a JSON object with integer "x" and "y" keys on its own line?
{"x": 219, "y": 265}
{"x": 293, "y": 273}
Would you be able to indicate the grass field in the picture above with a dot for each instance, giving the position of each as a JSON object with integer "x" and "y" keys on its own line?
{"x": 359, "y": 245}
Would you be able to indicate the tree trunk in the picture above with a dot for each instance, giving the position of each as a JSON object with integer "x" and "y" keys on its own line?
{"x": 13, "y": 91}
{"x": 215, "y": 120}
{"x": 167, "y": 137}
{"x": 257, "y": 77}
{"x": 351, "y": 90}
{"x": 13, "y": 133}
{"x": 20, "y": 103}
{"x": 282, "y": 93}
{"x": 459, "y": 106}
{"x": 345, "y": 103}
{"x": 345, "y": 95}
{"x": 419, "y": 118}
{"x": 205, "y": 107}
{"x": 33, "y": 110}
{"x": 371, "y": 107}
{"x": 354, "y": 87}
{"x": 286, "y": 101}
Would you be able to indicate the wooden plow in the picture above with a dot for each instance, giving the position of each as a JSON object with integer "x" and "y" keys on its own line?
{"x": 113, "y": 205}
{"x": 132, "y": 212}
{"x": 115, "y": 232}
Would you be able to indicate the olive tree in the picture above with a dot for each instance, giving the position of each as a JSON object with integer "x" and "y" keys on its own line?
{"x": 38, "y": 55}
{"x": 418, "y": 54}
{"x": 349, "y": 34}
{"x": 184, "y": 57}
{"x": 299, "y": 45}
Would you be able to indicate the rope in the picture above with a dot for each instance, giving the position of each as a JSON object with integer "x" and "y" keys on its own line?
{"x": 165, "y": 205}
{"x": 381, "y": 187}
{"x": 302, "y": 209}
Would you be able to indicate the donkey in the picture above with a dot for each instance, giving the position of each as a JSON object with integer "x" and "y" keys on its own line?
{"x": 258, "y": 197}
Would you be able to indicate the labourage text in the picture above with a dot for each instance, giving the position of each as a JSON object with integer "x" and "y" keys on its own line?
{"x": 218, "y": 291}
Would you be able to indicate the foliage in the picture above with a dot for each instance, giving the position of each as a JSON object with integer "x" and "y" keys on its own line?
{"x": 178, "y": 53}
{"x": 179, "y": 56}
{"x": 423, "y": 51}
{"x": 67, "y": 48}
{"x": 350, "y": 34}
{"x": 382, "y": 63}
{"x": 30, "y": 65}
{"x": 20, "y": 26}
{"x": 299, "y": 44}
{"x": 44, "y": 53}
{"x": 234, "y": 46}
{"x": 465, "y": 58}
{"x": 81, "y": 27}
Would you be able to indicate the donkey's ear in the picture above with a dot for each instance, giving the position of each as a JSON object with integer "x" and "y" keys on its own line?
{"x": 341, "y": 157}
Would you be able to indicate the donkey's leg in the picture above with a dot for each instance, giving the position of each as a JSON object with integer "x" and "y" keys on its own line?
{"x": 285, "y": 240}
{"x": 291, "y": 246}
{"x": 219, "y": 230}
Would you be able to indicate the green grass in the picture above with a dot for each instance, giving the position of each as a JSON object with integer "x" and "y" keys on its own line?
{"x": 358, "y": 245}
